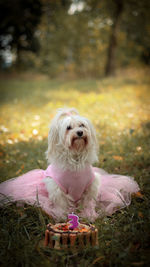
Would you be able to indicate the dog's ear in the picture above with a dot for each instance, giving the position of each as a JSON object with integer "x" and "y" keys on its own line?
{"x": 94, "y": 142}
{"x": 93, "y": 133}
{"x": 52, "y": 141}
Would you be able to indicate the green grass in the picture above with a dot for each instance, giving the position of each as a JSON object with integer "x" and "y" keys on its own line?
{"x": 120, "y": 110}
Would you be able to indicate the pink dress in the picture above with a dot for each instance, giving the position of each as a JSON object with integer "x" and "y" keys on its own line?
{"x": 114, "y": 190}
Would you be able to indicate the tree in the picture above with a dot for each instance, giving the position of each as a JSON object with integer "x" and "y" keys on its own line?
{"x": 18, "y": 22}
{"x": 135, "y": 22}
{"x": 128, "y": 17}
{"x": 112, "y": 46}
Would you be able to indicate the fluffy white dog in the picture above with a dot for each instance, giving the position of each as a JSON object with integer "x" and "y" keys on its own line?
{"x": 72, "y": 148}
{"x": 70, "y": 183}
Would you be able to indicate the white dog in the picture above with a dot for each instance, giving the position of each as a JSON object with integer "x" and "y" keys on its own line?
{"x": 72, "y": 148}
{"x": 70, "y": 183}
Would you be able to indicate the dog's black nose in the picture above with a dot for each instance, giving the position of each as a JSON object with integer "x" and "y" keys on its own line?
{"x": 79, "y": 133}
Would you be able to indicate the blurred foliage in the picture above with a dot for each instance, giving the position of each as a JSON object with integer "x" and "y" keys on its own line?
{"x": 18, "y": 21}
{"x": 69, "y": 40}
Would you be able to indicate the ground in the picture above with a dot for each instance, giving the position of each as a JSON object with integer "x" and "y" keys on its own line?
{"x": 119, "y": 108}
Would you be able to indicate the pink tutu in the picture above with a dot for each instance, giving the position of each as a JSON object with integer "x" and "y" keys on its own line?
{"x": 114, "y": 191}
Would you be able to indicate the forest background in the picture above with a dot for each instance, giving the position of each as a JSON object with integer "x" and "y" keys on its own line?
{"x": 73, "y": 38}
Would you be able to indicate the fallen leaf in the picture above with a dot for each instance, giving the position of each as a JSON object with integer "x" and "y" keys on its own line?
{"x": 109, "y": 152}
{"x": 20, "y": 170}
{"x": 138, "y": 263}
{"x": 98, "y": 259}
{"x": 102, "y": 142}
{"x": 138, "y": 195}
{"x": 140, "y": 214}
{"x": 119, "y": 158}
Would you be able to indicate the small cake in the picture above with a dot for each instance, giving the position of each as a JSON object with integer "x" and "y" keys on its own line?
{"x": 62, "y": 236}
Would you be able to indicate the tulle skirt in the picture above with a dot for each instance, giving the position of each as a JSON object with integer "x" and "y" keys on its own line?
{"x": 114, "y": 192}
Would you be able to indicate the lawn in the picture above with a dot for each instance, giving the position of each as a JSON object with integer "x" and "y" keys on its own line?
{"x": 119, "y": 108}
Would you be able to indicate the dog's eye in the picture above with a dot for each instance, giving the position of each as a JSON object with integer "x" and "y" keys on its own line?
{"x": 82, "y": 125}
{"x": 69, "y": 127}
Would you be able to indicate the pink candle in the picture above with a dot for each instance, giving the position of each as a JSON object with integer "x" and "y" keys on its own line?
{"x": 74, "y": 221}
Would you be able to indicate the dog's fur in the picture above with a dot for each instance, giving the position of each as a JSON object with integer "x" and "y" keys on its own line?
{"x": 72, "y": 144}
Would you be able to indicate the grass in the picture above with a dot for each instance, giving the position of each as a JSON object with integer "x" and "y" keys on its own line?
{"x": 119, "y": 109}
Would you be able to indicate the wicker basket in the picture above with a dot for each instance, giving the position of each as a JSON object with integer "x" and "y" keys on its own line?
{"x": 82, "y": 237}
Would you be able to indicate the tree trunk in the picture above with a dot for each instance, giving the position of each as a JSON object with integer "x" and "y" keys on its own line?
{"x": 111, "y": 55}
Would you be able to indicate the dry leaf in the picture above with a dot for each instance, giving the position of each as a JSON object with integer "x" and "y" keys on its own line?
{"x": 141, "y": 263}
{"x": 140, "y": 214}
{"x": 98, "y": 259}
{"x": 109, "y": 152}
{"x": 20, "y": 170}
{"x": 102, "y": 142}
{"x": 138, "y": 195}
{"x": 119, "y": 158}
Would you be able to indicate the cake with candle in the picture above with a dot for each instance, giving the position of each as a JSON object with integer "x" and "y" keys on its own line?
{"x": 71, "y": 235}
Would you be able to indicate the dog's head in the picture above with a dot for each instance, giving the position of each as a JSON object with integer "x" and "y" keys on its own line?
{"x": 72, "y": 139}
